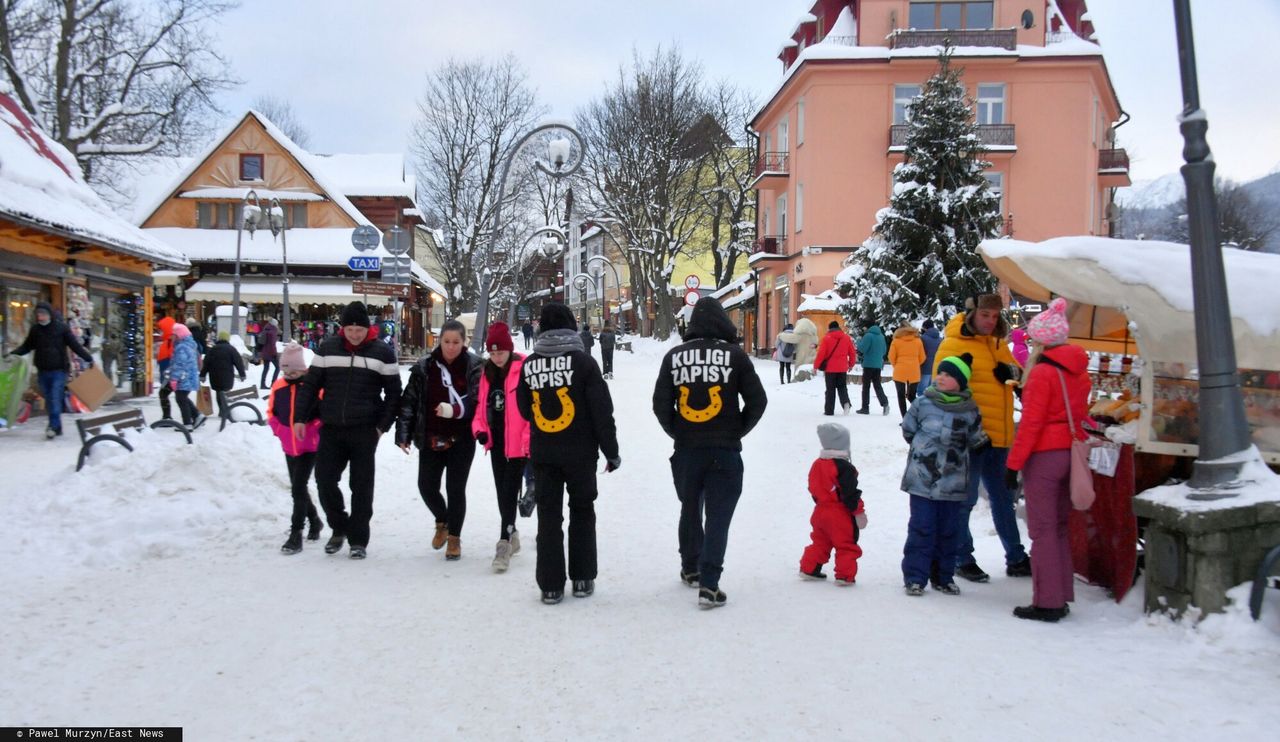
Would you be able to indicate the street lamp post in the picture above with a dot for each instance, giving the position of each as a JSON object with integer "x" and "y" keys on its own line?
{"x": 561, "y": 165}
{"x": 1223, "y": 428}
{"x": 278, "y": 227}
{"x": 251, "y": 214}
{"x": 617, "y": 281}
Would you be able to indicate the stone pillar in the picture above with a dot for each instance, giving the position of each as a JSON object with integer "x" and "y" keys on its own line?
{"x": 1196, "y": 551}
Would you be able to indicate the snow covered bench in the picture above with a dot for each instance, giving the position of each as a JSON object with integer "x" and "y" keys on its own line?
{"x": 624, "y": 345}
{"x": 240, "y": 398}
{"x": 92, "y": 430}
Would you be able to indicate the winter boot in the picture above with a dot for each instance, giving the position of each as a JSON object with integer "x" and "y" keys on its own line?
{"x": 502, "y": 557}
{"x": 709, "y": 597}
{"x": 949, "y": 588}
{"x": 689, "y": 578}
{"x": 1019, "y": 569}
{"x": 294, "y": 544}
{"x": 551, "y": 597}
{"x": 454, "y": 550}
{"x": 972, "y": 573}
{"x": 49, "y": 433}
{"x": 442, "y": 535}
{"x": 1036, "y": 613}
{"x": 515, "y": 542}
{"x": 845, "y": 581}
{"x": 528, "y": 501}
{"x": 335, "y": 543}
{"x": 863, "y": 411}
{"x": 313, "y": 533}
{"x": 357, "y": 552}
{"x": 886, "y": 409}
{"x": 846, "y": 408}
{"x": 815, "y": 574}
{"x": 914, "y": 589}
{"x": 583, "y": 588}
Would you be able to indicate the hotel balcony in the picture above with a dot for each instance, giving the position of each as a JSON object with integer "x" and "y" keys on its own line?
{"x": 911, "y": 38}
{"x": 1113, "y": 168}
{"x": 772, "y": 245}
{"x": 772, "y": 170}
{"x": 996, "y": 136}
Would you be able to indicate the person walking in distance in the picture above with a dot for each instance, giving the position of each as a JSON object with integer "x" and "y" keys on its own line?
{"x": 268, "y": 351}
{"x": 906, "y": 353}
{"x": 835, "y": 358}
{"x": 354, "y": 381}
{"x": 784, "y": 348}
{"x": 526, "y": 331}
{"x": 607, "y": 341}
{"x": 562, "y": 393}
{"x": 980, "y": 332}
{"x": 707, "y": 398}
{"x": 50, "y": 338}
{"x": 504, "y": 433}
{"x": 872, "y": 348}
{"x": 221, "y": 364}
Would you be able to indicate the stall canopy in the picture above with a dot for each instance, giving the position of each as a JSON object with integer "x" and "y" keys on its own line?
{"x": 1110, "y": 283}
{"x": 260, "y": 290}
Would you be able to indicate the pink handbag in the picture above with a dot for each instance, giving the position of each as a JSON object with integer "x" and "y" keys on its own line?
{"x": 1082, "y": 493}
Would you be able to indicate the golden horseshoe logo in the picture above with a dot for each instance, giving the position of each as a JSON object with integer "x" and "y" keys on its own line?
{"x": 566, "y": 412}
{"x": 706, "y": 413}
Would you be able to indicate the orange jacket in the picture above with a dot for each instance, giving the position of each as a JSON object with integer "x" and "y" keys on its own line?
{"x": 906, "y": 354}
{"x": 166, "y": 338}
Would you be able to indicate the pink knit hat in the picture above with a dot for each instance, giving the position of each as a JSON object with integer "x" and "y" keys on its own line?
{"x": 292, "y": 358}
{"x": 1050, "y": 327}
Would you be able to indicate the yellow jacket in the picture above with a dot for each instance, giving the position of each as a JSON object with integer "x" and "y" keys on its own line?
{"x": 906, "y": 354}
{"x": 994, "y": 399}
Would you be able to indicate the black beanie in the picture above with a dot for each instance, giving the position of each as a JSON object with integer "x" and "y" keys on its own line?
{"x": 833, "y": 325}
{"x": 556, "y": 316}
{"x": 355, "y": 314}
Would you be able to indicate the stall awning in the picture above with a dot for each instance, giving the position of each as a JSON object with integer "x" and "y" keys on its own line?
{"x": 259, "y": 290}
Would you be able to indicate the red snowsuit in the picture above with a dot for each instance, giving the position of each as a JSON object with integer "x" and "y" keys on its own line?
{"x": 832, "y": 523}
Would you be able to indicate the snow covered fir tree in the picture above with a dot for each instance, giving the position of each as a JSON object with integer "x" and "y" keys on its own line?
{"x": 921, "y": 257}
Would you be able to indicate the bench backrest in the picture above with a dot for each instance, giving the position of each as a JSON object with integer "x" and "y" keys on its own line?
{"x": 95, "y": 425}
{"x": 247, "y": 392}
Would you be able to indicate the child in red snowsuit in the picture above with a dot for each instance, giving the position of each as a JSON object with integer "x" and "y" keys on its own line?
{"x": 838, "y": 514}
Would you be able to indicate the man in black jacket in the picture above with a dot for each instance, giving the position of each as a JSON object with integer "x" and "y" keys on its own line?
{"x": 696, "y": 402}
{"x": 607, "y": 340}
{"x": 360, "y": 379}
{"x": 221, "y": 364}
{"x": 50, "y": 338}
{"x": 570, "y": 411}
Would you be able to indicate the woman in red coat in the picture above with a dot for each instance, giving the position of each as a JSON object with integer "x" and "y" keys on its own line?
{"x": 835, "y": 357}
{"x": 1057, "y": 376}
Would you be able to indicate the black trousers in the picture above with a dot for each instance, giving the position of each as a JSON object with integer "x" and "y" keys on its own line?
{"x": 267, "y": 363}
{"x": 508, "y": 475}
{"x": 186, "y": 407}
{"x": 224, "y": 407}
{"x": 551, "y": 481}
{"x": 166, "y": 409}
{"x": 606, "y": 357}
{"x": 707, "y": 480}
{"x": 784, "y": 372}
{"x": 837, "y": 383}
{"x": 454, "y": 464}
{"x": 872, "y": 376}
{"x": 300, "y": 468}
{"x": 338, "y": 448}
{"x": 906, "y": 394}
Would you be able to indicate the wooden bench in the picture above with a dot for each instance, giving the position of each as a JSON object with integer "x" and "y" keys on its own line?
{"x": 92, "y": 430}
{"x": 240, "y": 398}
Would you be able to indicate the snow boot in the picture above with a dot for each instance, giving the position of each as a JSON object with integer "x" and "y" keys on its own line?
{"x": 454, "y": 551}
{"x": 863, "y": 411}
{"x": 335, "y": 543}
{"x": 515, "y": 542}
{"x": 1020, "y": 569}
{"x": 914, "y": 589}
{"x": 711, "y": 598}
{"x": 551, "y": 597}
{"x": 357, "y": 552}
{"x": 972, "y": 573}
{"x": 845, "y": 581}
{"x": 502, "y": 557}
{"x": 886, "y": 409}
{"x": 949, "y": 588}
{"x": 1036, "y": 613}
{"x": 689, "y": 578}
{"x": 583, "y": 588}
{"x": 442, "y": 535}
{"x": 528, "y": 501}
{"x": 815, "y": 574}
{"x": 294, "y": 544}
{"x": 847, "y": 408}
{"x": 49, "y": 433}
{"x": 313, "y": 533}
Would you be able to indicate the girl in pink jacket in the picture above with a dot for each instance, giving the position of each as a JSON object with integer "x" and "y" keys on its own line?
{"x": 299, "y": 453}
{"x": 499, "y": 427}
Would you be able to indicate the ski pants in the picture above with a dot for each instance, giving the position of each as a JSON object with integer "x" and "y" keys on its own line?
{"x": 551, "y": 481}
{"x": 833, "y": 528}
{"x": 300, "y": 468}
{"x": 932, "y": 533}
{"x": 338, "y": 448}
{"x": 707, "y": 480}
{"x": 1046, "y": 482}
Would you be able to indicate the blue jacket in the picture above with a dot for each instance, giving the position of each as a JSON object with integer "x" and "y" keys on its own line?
{"x": 931, "y": 339}
{"x": 186, "y": 365}
{"x": 872, "y": 347}
{"x": 941, "y": 435}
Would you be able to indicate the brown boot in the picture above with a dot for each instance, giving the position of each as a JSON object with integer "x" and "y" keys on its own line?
{"x": 454, "y": 551}
{"x": 442, "y": 532}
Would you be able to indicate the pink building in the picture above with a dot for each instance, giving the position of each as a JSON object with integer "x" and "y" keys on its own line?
{"x": 833, "y": 132}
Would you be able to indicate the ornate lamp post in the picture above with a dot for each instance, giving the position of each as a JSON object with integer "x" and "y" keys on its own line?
{"x": 617, "y": 282}
{"x": 278, "y": 227}
{"x": 1223, "y": 429}
{"x": 560, "y": 164}
{"x": 251, "y": 214}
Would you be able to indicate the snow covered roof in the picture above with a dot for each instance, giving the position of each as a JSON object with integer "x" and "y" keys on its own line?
{"x": 747, "y": 294}
{"x": 734, "y": 285}
{"x": 382, "y": 175}
{"x": 264, "y": 194}
{"x": 267, "y": 289}
{"x": 827, "y": 301}
{"x": 307, "y": 246}
{"x": 41, "y": 185}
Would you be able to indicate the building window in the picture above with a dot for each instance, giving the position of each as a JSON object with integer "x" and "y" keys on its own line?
{"x": 996, "y": 182}
{"x": 990, "y": 103}
{"x": 902, "y": 97}
{"x": 800, "y": 123}
{"x": 214, "y": 215}
{"x": 205, "y": 216}
{"x": 250, "y": 167}
{"x": 784, "y": 141}
{"x": 929, "y": 14}
{"x": 297, "y": 214}
{"x": 799, "y": 206}
{"x": 782, "y": 215}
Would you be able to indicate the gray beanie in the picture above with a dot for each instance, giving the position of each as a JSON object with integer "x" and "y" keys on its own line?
{"x": 834, "y": 437}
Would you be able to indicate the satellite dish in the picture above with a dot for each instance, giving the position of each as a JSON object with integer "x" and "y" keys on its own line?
{"x": 1028, "y": 19}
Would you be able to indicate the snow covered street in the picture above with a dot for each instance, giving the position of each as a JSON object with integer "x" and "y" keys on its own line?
{"x": 149, "y": 589}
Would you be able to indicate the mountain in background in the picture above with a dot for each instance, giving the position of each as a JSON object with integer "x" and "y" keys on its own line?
{"x": 1148, "y": 204}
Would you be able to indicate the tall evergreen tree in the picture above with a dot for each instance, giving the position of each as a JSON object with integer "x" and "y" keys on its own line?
{"x": 921, "y": 257}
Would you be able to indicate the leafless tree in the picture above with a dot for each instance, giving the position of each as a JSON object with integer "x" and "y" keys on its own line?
{"x": 646, "y": 149}
{"x": 471, "y": 115}
{"x": 114, "y": 79}
{"x": 727, "y": 192}
{"x": 280, "y": 112}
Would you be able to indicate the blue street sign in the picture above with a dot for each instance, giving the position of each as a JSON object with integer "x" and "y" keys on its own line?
{"x": 362, "y": 263}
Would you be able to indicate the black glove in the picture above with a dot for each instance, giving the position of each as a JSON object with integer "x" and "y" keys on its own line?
{"x": 613, "y": 464}
{"x": 482, "y": 438}
{"x": 1003, "y": 372}
{"x": 983, "y": 447}
{"x": 1011, "y": 480}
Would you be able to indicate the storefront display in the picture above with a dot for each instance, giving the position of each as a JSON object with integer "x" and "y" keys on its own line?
{"x": 1173, "y": 422}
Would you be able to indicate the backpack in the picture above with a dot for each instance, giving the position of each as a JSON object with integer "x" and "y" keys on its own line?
{"x": 788, "y": 350}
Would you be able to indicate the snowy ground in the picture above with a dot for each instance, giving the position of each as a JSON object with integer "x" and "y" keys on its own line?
{"x": 148, "y": 589}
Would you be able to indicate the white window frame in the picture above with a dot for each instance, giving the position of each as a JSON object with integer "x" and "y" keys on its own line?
{"x": 780, "y": 207}
{"x": 901, "y": 100}
{"x": 799, "y": 207}
{"x": 784, "y": 143}
{"x": 800, "y": 122}
{"x": 995, "y": 179}
{"x": 986, "y": 103}
{"x": 1094, "y": 124}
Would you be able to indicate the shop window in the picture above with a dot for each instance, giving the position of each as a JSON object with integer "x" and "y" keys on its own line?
{"x": 250, "y": 167}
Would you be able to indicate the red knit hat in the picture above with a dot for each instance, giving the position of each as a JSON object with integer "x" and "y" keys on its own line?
{"x": 499, "y": 337}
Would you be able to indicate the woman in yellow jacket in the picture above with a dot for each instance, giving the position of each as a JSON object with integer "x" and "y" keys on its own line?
{"x": 906, "y": 353}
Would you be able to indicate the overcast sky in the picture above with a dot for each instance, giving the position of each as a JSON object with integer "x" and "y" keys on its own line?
{"x": 356, "y": 83}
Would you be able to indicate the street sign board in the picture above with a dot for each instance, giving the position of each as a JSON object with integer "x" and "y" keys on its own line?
{"x": 365, "y": 238}
{"x": 396, "y": 240}
{"x": 691, "y": 298}
{"x": 691, "y": 282}
{"x": 398, "y": 269}
{"x": 364, "y": 263}
{"x": 381, "y": 289}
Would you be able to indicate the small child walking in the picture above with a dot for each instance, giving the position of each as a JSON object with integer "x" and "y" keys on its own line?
{"x": 838, "y": 512}
{"x": 299, "y": 453}
{"x": 943, "y": 426}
